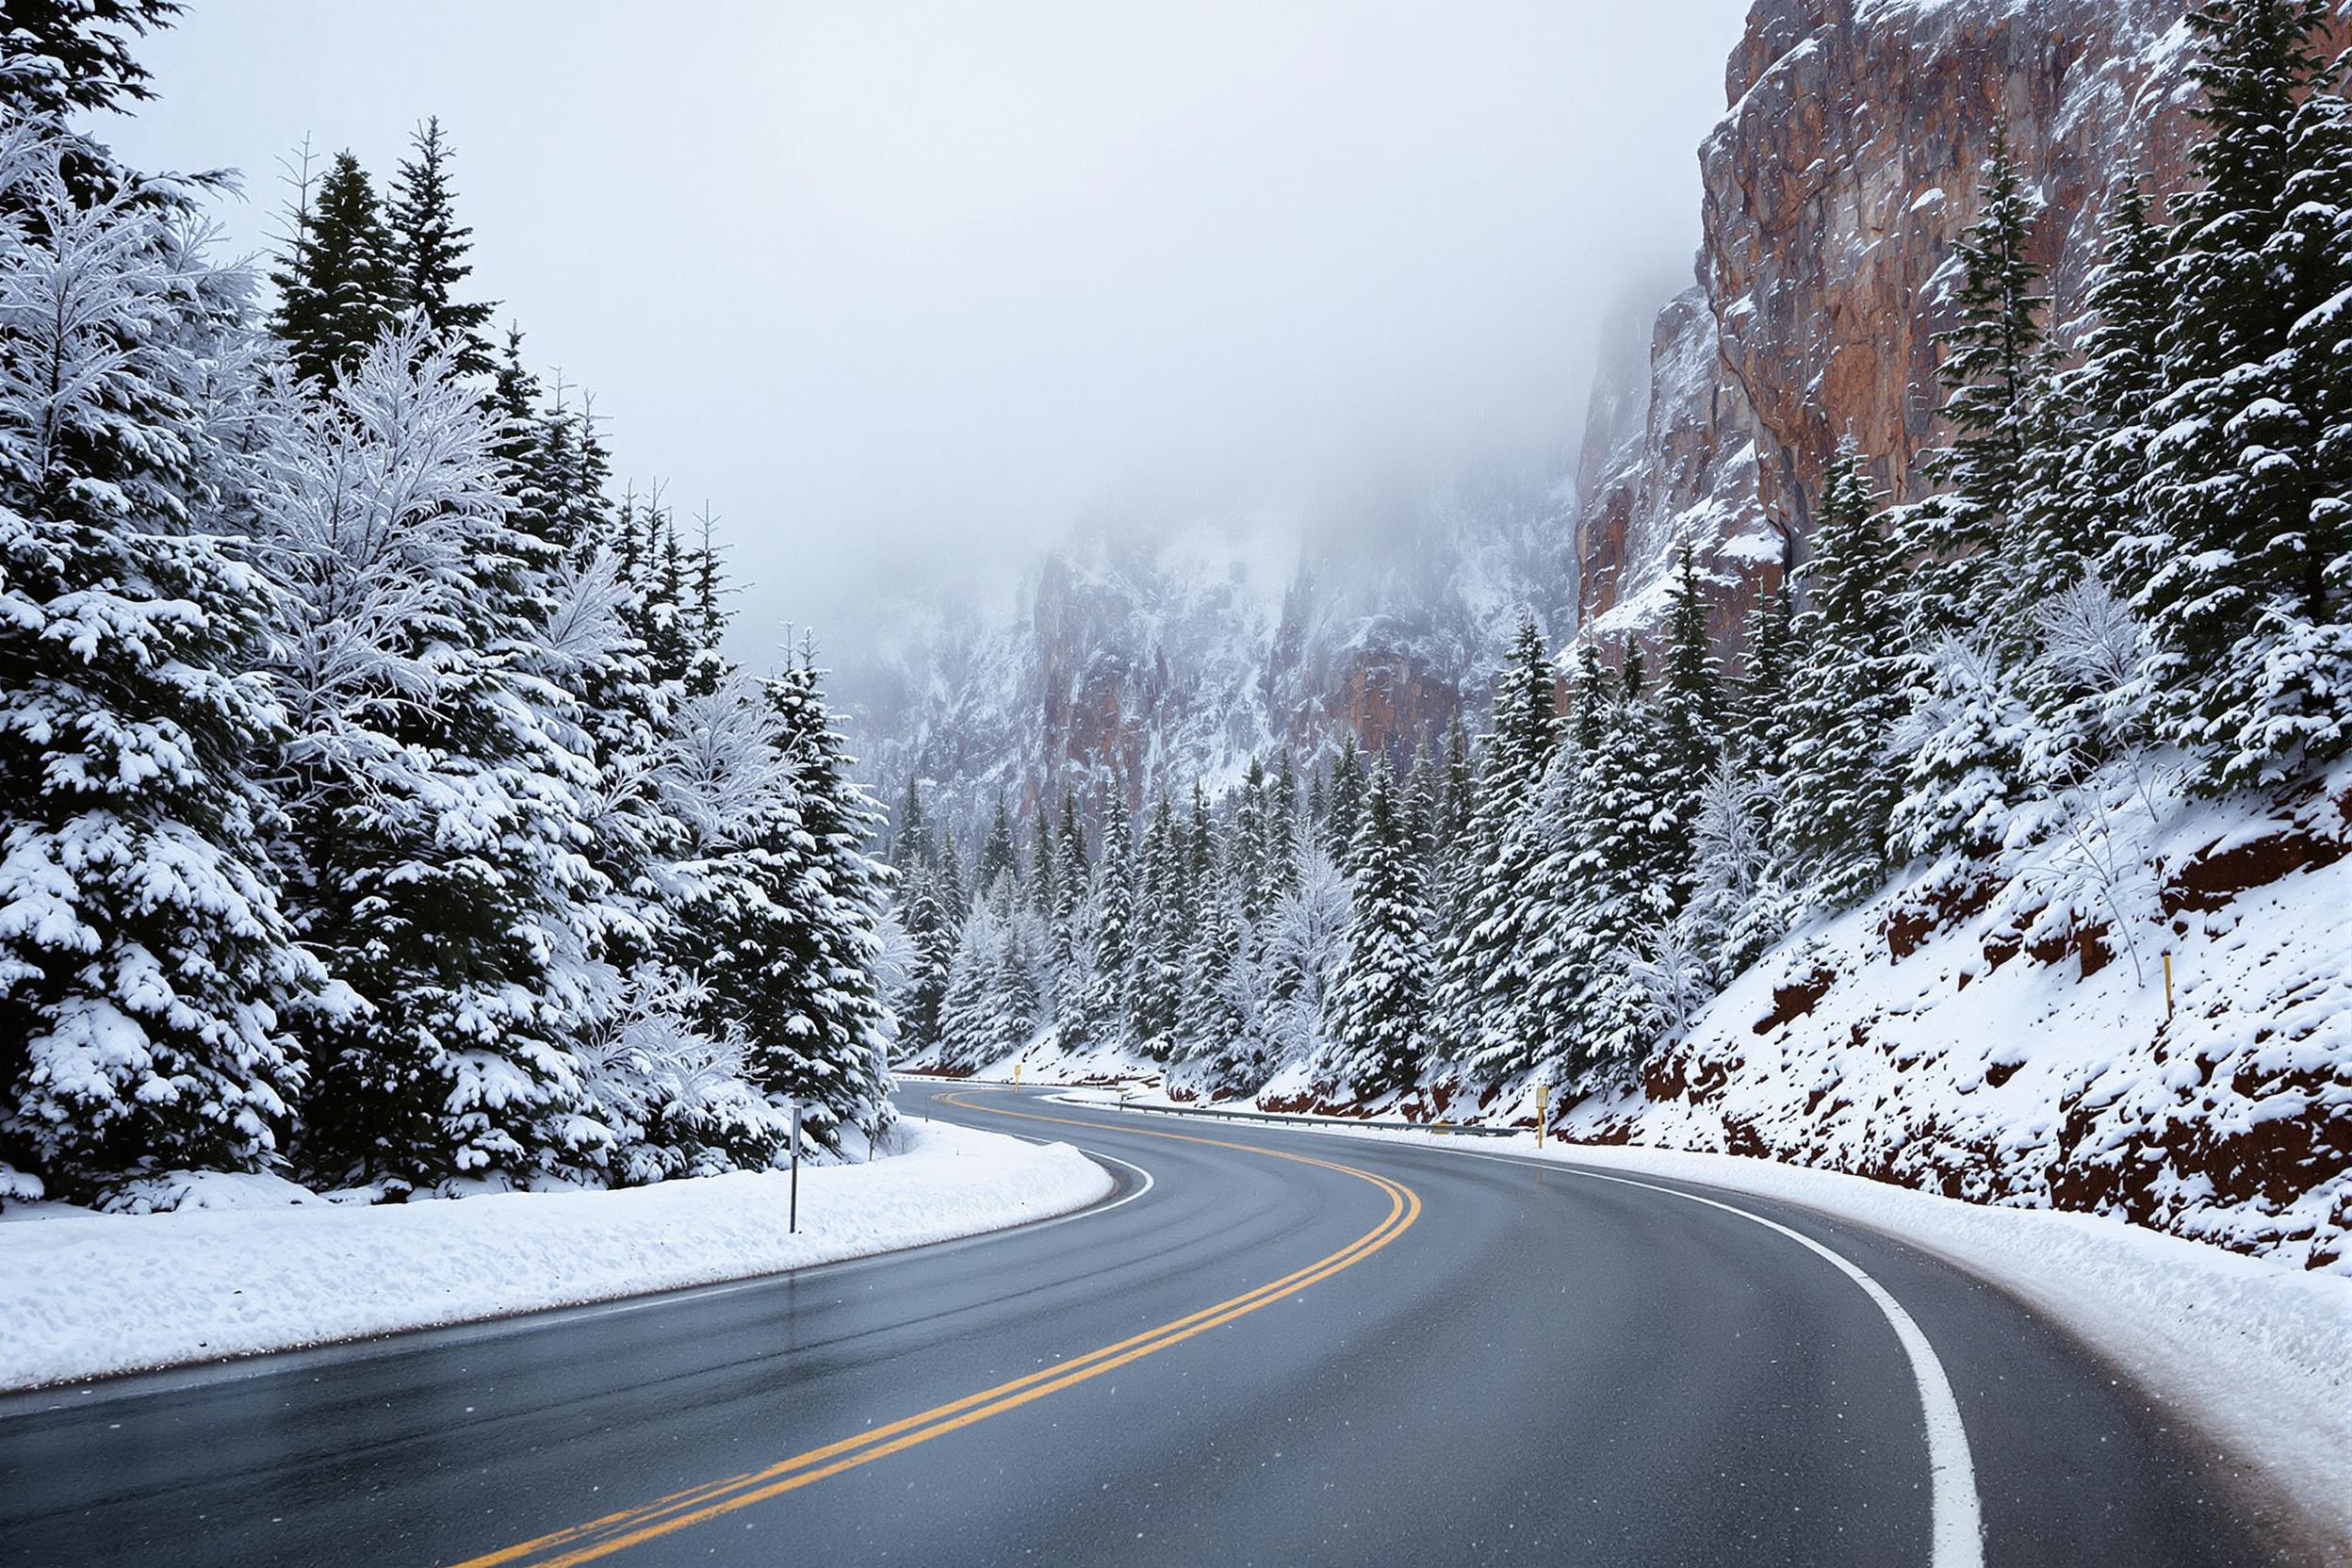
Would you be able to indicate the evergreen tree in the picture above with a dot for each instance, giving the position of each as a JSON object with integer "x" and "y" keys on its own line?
{"x": 911, "y": 835}
{"x": 428, "y": 252}
{"x": 827, "y": 1049}
{"x": 948, "y": 879}
{"x": 1380, "y": 1000}
{"x": 433, "y": 840}
{"x": 999, "y": 865}
{"x": 934, "y": 940}
{"x": 1690, "y": 714}
{"x": 1485, "y": 965}
{"x": 2085, "y": 479}
{"x": 145, "y": 966}
{"x": 76, "y": 54}
{"x": 2238, "y": 565}
{"x": 1993, "y": 368}
{"x": 1251, "y": 876}
{"x": 1846, "y": 696}
{"x": 1155, "y": 995}
{"x": 1073, "y": 894}
{"x": 69, "y": 57}
{"x": 1102, "y": 1012}
{"x": 1491, "y": 944}
{"x": 1045, "y": 878}
{"x": 339, "y": 286}
{"x": 1342, "y": 800}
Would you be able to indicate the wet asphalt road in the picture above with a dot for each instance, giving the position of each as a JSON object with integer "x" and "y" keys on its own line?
{"x": 1368, "y": 1353}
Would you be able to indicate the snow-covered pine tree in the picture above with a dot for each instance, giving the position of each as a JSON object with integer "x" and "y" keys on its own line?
{"x": 1690, "y": 715}
{"x": 830, "y": 1052}
{"x": 76, "y": 54}
{"x": 1071, "y": 895}
{"x": 2085, "y": 474}
{"x": 1962, "y": 746}
{"x": 932, "y": 938}
{"x": 1738, "y": 907}
{"x": 1214, "y": 1021}
{"x": 1846, "y": 695}
{"x": 972, "y": 1012}
{"x": 429, "y": 247}
{"x": 1342, "y": 800}
{"x": 1378, "y": 1006}
{"x": 1250, "y": 848}
{"x": 910, "y": 834}
{"x": 1993, "y": 368}
{"x": 431, "y": 791}
{"x": 60, "y": 57}
{"x": 339, "y": 286}
{"x": 1162, "y": 931}
{"x": 1485, "y": 965}
{"x": 1044, "y": 878}
{"x": 1304, "y": 937}
{"x": 948, "y": 876}
{"x": 999, "y": 865}
{"x": 145, "y": 968}
{"x": 2232, "y": 566}
{"x": 1760, "y": 736}
{"x": 1102, "y": 1012}
{"x": 1201, "y": 860}
{"x": 1605, "y": 882}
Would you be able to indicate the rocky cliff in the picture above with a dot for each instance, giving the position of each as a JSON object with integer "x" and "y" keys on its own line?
{"x": 1141, "y": 659}
{"x": 1833, "y": 190}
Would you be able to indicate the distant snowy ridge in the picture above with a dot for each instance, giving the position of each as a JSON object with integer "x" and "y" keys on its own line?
{"x": 1140, "y": 661}
{"x": 88, "y": 1296}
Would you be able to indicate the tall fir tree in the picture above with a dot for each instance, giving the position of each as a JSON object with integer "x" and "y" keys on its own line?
{"x": 1102, "y": 1012}
{"x": 2239, "y": 562}
{"x": 429, "y": 247}
{"x": 1846, "y": 696}
{"x": 1993, "y": 368}
{"x": 339, "y": 284}
{"x": 145, "y": 966}
{"x": 1689, "y": 717}
{"x": 1379, "y": 1003}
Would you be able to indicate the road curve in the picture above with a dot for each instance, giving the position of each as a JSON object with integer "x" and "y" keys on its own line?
{"x": 1279, "y": 1347}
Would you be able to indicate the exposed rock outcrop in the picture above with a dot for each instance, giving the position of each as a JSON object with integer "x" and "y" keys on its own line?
{"x": 1834, "y": 188}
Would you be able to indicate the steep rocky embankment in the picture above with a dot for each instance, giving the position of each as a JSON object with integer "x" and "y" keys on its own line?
{"x": 1833, "y": 190}
{"x": 2014, "y": 1042}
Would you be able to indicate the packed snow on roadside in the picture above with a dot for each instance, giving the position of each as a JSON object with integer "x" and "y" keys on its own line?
{"x": 253, "y": 1264}
{"x": 2253, "y": 1352}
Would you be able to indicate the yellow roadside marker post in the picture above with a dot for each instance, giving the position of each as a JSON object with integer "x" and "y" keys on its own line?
{"x": 1539, "y": 1114}
{"x": 1015, "y": 1077}
{"x": 2167, "y": 985}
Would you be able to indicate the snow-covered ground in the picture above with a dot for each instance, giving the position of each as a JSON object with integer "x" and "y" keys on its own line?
{"x": 2006, "y": 1037}
{"x": 2255, "y": 1354}
{"x": 268, "y": 1266}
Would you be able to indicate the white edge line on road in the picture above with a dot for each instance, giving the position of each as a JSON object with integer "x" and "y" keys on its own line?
{"x": 1956, "y": 1518}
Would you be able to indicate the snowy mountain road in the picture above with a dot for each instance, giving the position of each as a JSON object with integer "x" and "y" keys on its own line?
{"x": 1281, "y": 1348}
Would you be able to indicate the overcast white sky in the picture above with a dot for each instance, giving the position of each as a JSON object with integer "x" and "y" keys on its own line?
{"x": 903, "y": 287}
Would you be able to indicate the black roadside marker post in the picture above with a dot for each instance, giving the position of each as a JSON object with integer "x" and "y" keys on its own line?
{"x": 792, "y": 1224}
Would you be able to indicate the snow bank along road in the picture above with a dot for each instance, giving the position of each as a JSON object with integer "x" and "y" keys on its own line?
{"x": 1274, "y": 1348}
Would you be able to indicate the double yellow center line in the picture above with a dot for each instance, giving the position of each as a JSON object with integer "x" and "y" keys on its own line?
{"x": 616, "y": 1532}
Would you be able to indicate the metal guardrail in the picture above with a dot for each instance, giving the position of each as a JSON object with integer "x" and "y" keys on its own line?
{"x": 1286, "y": 1118}
{"x": 1275, "y": 1118}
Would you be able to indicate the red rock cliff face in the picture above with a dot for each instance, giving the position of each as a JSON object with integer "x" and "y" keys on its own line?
{"x": 1835, "y": 187}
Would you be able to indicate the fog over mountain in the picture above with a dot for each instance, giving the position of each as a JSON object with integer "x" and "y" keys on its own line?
{"x": 908, "y": 291}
